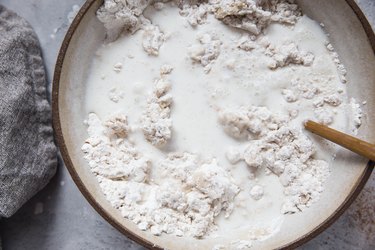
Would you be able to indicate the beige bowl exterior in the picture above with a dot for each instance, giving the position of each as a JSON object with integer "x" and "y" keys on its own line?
{"x": 353, "y": 39}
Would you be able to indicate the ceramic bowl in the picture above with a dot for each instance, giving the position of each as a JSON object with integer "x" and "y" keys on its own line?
{"x": 354, "y": 40}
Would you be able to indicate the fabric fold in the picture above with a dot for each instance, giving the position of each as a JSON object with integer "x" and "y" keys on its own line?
{"x": 27, "y": 150}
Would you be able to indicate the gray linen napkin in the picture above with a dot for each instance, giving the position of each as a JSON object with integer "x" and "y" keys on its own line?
{"x": 27, "y": 151}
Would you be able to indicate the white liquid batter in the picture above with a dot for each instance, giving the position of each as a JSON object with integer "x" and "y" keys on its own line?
{"x": 236, "y": 78}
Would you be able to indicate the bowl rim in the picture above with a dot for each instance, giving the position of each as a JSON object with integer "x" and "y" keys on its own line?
{"x": 108, "y": 217}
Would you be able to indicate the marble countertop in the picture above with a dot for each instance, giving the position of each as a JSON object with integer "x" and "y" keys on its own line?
{"x": 59, "y": 217}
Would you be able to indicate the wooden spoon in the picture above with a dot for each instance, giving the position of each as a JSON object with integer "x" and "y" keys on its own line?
{"x": 347, "y": 141}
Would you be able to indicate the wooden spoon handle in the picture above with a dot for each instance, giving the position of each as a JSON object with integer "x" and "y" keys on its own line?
{"x": 349, "y": 142}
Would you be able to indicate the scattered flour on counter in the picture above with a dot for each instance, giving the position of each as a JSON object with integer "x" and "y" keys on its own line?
{"x": 53, "y": 35}
{"x": 156, "y": 121}
{"x": 206, "y": 51}
{"x": 281, "y": 148}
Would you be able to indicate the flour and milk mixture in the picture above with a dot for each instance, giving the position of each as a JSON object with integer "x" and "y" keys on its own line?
{"x": 196, "y": 109}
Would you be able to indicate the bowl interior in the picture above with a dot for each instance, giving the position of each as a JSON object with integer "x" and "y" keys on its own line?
{"x": 356, "y": 52}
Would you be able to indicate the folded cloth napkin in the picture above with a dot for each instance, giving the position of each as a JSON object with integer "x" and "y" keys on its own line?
{"x": 27, "y": 151}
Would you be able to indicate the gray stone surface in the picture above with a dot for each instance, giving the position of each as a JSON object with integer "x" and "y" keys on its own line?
{"x": 60, "y": 218}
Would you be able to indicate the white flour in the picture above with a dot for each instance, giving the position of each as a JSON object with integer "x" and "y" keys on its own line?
{"x": 153, "y": 38}
{"x": 256, "y": 192}
{"x": 340, "y": 67}
{"x": 288, "y": 54}
{"x": 255, "y": 16}
{"x": 121, "y": 15}
{"x": 115, "y": 96}
{"x": 356, "y": 114}
{"x": 206, "y": 51}
{"x": 156, "y": 121}
{"x": 192, "y": 194}
{"x": 192, "y": 152}
{"x": 250, "y": 15}
{"x": 281, "y": 148}
{"x": 195, "y": 14}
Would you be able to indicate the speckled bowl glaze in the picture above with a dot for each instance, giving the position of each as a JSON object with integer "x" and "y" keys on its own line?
{"x": 354, "y": 40}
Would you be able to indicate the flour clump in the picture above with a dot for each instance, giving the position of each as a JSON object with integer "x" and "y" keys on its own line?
{"x": 255, "y": 16}
{"x": 284, "y": 150}
{"x": 195, "y": 14}
{"x": 206, "y": 51}
{"x": 153, "y": 39}
{"x": 193, "y": 194}
{"x": 256, "y": 192}
{"x": 156, "y": 122}
{"x": 356, "y": 114}
{"x": 287, "y": 54}
{"x": 103, "y": 158}
{"x": 121, "y": 15}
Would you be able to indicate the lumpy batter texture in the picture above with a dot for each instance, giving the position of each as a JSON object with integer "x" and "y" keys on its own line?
{"x": 195, "y": 113}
